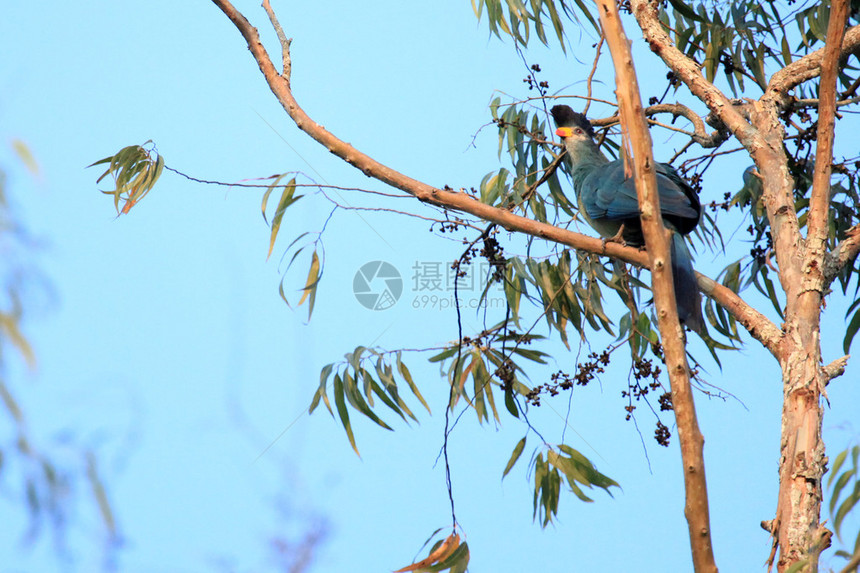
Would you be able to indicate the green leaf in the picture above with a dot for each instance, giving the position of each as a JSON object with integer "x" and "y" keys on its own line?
{"x": 685, "y": 10}
{"x": 850, "y": 332}
{"x": 358, "y": 402}
{"x": 457, "y": 562}
{"x": 342, "y": 412}
{"x": 321, "y": 391}
{"x": 404, "y": 372}
{"x": 287, "y": 199}
{"x": 515, "y": 455}
{"x": 510, "y": 402}
{"x": 310, "y": 289}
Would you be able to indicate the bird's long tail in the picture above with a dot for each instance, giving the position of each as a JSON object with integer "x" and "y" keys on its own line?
{"x": 687, "y": 295}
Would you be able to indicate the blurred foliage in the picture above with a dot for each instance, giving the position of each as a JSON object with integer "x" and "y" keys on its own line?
{"x": 49, "y": 481}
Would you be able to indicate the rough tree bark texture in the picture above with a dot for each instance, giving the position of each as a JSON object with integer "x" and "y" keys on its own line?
{"x": 689, "y": 435}
{"x": 803, "y": 462}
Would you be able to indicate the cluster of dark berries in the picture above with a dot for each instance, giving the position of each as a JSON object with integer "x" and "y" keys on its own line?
{"x": 674, "y": 80}
{"x": 558, "y": 382}
{"x": 758, "y": 252}
{"x": 465, "y": 260}
{"x": 695, "y": 181}
{"x": 542, "y": 87}
{"x": 728, "y": 62}
{"x": 726, "y": 203}
{"x": 662, "y": 434}
{"x": 449, "y": 226}
{"x": 585, "y": 373}
{"x": 505, "y": 373}
{"x": 494, "y": 254}
{"x": 643, "y": 370}
{"x": 665, "y": 401}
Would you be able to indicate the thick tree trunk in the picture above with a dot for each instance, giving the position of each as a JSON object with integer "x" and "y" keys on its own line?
{"x": 797, "y": 529}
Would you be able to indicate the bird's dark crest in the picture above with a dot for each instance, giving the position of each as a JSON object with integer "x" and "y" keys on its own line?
{"x": 564, "y": 116}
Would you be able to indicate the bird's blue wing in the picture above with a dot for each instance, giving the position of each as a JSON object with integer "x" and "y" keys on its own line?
{"x": 608, "y": 194}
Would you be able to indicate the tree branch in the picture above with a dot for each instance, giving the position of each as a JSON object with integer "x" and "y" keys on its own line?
{"x": 700, "y": 134}
{"x": 757, "y": 324}
{"x": 282, "y": 38}
{"x": 757, "y": 128}
{"x": 844, "y": 253}
{"x": 836, "y": 368}
{"x": 657, "y": 240}
{"x": 690, "y": 73}
{"x": 444, "y": 198}
{"x": 819, "y": 202}
{"x": 809, "y": 66}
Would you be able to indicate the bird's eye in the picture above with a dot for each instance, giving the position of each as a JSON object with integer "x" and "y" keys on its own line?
{"x": 577, "y": 131}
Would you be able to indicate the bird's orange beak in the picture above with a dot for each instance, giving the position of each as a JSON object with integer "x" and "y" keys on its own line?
{"x": 564, "y": 132}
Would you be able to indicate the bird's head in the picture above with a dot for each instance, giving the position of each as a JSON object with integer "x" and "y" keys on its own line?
{"x": 571, "y": 124}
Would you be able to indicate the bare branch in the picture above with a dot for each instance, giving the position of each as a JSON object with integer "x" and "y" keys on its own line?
{"x": 836, "y": 368}
{"x": 700, "y": 134}
{"x": 819, "y": 202}
{"x": 446, "y": 199}
{"x": 656, "y": 238}
{"x": 757, "y": 324}
{"x": 285, "y": 42}
{"x": 813, "y": 102}
{"x": 844, "y": 253}
{"x": 809, "y": 66}
{"x": 690, "y": 73}
{"x": 588, "y": 81}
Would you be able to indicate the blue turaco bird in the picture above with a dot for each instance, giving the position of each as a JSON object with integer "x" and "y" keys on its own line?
{"x": 608, "y": 201}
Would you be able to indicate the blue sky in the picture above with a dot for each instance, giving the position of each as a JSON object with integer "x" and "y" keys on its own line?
{"x": 169, "y": 352}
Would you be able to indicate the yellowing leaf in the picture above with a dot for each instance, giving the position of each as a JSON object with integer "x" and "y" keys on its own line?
{"x": 442, "y": 552}
{"x": 310, "y": 289}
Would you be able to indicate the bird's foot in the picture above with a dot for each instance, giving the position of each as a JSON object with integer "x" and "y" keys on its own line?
{"x": 616, "y": 238}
